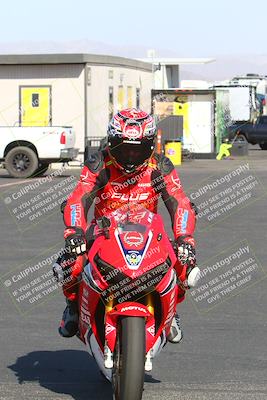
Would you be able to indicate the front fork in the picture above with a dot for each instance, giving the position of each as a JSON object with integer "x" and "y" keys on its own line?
{"x": 111, "y": 323}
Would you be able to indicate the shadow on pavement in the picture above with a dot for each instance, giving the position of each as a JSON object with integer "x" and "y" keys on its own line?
{"x": 68, "y": 372}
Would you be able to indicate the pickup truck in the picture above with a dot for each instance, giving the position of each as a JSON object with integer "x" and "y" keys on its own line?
{"x": 28, "y": 151}
{"x": 250, "y": 132}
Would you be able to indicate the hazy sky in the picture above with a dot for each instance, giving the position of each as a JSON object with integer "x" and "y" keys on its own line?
{"x": 192, "y": 28}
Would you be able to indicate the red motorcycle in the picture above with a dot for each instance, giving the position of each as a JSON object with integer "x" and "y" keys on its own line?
{"x": 127, "y": 297}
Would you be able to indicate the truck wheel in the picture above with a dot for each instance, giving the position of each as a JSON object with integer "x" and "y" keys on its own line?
{"x": 43, "y": 167}
{"x": 21, "y": 162}
{"x": 263, "y": 146}
{"x": 241, "y": 138}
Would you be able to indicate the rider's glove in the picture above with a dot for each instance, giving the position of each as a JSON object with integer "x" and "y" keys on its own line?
{"x": 186, "y": 254}
{"x": 75, "y": 240}
{"x": 185, "y": 251}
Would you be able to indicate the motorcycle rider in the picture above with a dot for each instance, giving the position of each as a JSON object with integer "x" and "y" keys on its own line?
{"x": 127, "y": 170}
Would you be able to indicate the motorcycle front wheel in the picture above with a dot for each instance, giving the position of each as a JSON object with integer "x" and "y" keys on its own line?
{"x": 129, "y": 359}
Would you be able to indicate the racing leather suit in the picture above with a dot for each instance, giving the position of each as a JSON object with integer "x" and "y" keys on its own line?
{"x": 105, "y": 185}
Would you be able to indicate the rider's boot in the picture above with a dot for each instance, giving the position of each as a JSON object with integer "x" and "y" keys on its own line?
{"x": 69, "y": 324}
{"x": 176, "y": 333}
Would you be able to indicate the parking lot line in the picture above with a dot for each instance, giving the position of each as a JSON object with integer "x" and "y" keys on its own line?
{"x": 17, "y": 183}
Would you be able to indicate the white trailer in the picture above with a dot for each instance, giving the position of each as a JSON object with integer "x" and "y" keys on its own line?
{"x": 242, "y": 103}
{"x": 195, "y": 109}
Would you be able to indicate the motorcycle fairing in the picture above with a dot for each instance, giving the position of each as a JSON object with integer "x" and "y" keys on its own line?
{"x": 133, "y": 257}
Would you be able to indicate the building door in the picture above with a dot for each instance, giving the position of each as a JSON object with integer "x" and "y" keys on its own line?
{"x": 35, "y": 106}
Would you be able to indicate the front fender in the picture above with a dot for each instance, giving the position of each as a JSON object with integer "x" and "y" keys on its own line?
{"x": 127, "y": 309}
{"x": 130, "y": 309}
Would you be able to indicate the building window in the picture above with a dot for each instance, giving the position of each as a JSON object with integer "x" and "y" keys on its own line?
{"x": 35, "y": 99}
{"x": 120, "y": 102}
{"x": 129, "y": 97}
{"x": 110, "y": 102}
{"x": 110, "y": 74}
{"x": 137, "y": 97}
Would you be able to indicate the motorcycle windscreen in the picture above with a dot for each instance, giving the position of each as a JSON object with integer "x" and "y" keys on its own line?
{"x": 133, "y": 235}
{"x": 133, "y": 239}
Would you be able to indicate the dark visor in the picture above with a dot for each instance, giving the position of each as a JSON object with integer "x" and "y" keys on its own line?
{"x": 127, "y": 154}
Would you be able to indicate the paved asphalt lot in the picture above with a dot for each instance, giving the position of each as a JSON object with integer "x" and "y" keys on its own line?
{"x": 223, "y": 354}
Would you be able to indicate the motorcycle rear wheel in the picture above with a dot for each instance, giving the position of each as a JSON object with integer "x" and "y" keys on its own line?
{"x": 129, "y": 359}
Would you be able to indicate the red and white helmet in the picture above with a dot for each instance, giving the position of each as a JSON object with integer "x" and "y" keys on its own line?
{"x": 131, "y": 139}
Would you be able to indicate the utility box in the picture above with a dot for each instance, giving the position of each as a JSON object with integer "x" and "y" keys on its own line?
{"x": 173, "y": 150}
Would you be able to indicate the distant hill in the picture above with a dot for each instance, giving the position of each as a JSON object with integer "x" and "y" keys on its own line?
{"x": 79, "y": 46}
{"x": 225, "y": 66}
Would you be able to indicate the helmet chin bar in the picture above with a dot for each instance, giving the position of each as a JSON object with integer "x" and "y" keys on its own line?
{"x": 134, "y": 168}
{"x": 130, "y": 169}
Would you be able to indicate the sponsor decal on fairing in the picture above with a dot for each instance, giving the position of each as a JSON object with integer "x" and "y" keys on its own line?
{"x": 85, "y": 315}
{"x": 151, "y": 330}
{"x": 134, "y": 308}
{"x": 133, "y": 258}
{"x": 84, "y": 300}
{"x": 133, "y": 238}
{"x": 171, "y": 310}
{"x": 85, "y": 311}
{"x": 109, "y": 328}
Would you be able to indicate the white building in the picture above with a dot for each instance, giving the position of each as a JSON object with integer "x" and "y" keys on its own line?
{"x": 256, "y": 80}
{"x": 79, "y": 90}
{"x": 167, "y": 70}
